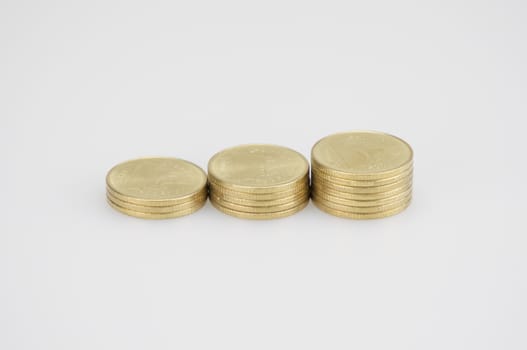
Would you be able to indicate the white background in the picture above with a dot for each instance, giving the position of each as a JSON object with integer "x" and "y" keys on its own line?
{"x": 86, "y": 85}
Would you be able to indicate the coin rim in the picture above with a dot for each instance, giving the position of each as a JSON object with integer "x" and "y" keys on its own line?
{"x": 362, "y": 203}
{"x": 362, "y": 190}
{"x": 352, "y": 216}
{"x": 261, "y": 190}
{"x": 155, "y": 209}
{"x": 315, "y": 172}
{"x": 259, "y": 209}
{"x": 283, "y": 191}
{"x": 363, "y": 196}
{"x": 151, "y": 216}
{"x": 362, "y": 210}
{"x": 158, "y": 203}
{"x": 266, "y": 216}
{"x": 261, "y": 202}
{"x": 361, "y": 177}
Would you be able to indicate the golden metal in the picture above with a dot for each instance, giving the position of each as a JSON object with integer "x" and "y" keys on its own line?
{"x": 361, "y": 177}
{"x": 259, "y": 209}
{"x": 261, "y": 202}
{"x": 257, "y": 168}
{"x": 143, "y": 215}
{"x": 318, "y": 188}
{"x": 260, "y": 216}
{"x": 156, "y": 209}
{"x": 362, "y": 190}
{"x": 362, "y": 203}
{"x": 156, "y": 181}
{"x": 362, "y": 155}
{"x": 357, "y": 216}
{"x": 159, "y": 203}
{"x": 362, "y": 210}
{"x": 302, "y": 186}
{"x": 360, "y": 183}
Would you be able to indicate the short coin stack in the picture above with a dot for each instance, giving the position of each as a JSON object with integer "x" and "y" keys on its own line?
{"x": 156, "y": 188}
{"x": 259, "y": 181}
{"x": 361, "y": 175}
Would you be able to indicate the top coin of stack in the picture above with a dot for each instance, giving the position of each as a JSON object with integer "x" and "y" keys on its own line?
{"x": 362, "y": 175}
{"x": 156, "y": 188}
{"x": 259, "y": 181}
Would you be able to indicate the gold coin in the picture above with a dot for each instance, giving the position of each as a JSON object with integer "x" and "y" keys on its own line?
{"x": 317, "y": 188}
{"x": 257, "y": 168}
{"x": 362, "y": 155}
{"x": 142, "y": 215}
{"x": 360, "y": 183}
{"x": 259, "y": 209}
{"x": 156, "y": 181}
{"x": 155, "y": 209}
{"x": 362, "y": 190}
{"x": 299, "y": 187}
{"x": 362, "y": 210}
{"x": 260, "y": 202}
{"x": 362, "y": 203}
{"x": 260, "y": 216}
{"x": 349, "y": 215}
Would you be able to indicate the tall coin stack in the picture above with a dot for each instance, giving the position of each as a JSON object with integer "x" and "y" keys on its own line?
{"x": 259, "y": 181}
{"x": 156, "y": 188}
{"x": 361, "y": 175}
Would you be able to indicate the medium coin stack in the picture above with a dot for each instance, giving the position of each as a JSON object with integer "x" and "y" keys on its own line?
{"x": 361, "y": 175}
{"x": 156, "y": 188}
{"x": 259, "y": 181}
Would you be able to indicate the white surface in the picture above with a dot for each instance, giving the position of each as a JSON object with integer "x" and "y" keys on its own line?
{"x": 85, "y": 85}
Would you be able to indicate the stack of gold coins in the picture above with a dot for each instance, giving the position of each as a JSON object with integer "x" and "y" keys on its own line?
{"x": 156, "y": 188}
{"x": 259, "y": 181}
{"x": 361, "y": 175}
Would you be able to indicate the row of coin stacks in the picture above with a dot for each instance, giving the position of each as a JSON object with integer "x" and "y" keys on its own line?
{"x": 358, "y": 175}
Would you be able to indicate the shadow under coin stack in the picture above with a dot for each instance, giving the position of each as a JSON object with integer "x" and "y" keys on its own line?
{"x": 156, "y": 188}
{"x": 361, "y": 175}
{"x": 259, "y": 181}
